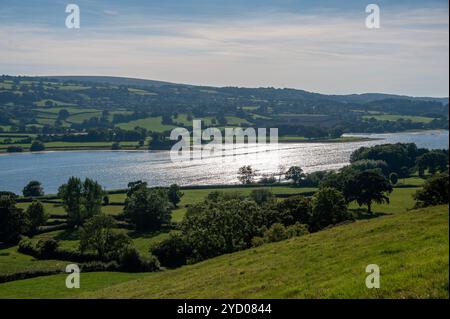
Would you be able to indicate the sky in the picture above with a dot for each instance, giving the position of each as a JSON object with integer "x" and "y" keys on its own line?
{"x": 319, "y": 46}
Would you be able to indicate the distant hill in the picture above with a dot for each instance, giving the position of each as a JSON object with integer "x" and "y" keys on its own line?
{"x": 349, "y": 98}
{"x": 371, "y": 97}
{"x": 114, "y": 80}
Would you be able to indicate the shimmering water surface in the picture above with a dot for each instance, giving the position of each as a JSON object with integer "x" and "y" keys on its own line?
{"x": 114, "y": 169}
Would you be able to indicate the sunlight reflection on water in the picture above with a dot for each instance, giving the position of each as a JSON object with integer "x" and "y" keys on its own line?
{"x": 115, "y": 169}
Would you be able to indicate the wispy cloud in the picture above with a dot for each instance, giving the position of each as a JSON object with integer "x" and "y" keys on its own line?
{"x": 319, "y": 52}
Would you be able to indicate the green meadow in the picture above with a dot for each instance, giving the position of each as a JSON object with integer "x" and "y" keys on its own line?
{"x": 410, "y": 247}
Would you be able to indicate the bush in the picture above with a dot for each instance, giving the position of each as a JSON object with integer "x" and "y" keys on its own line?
{"x": 148, "y": 209}
{"x": 13, "y": 221}
{"x": 33, "y": 189}
{"x": 47, "y": 248}
{"x": 258, "y": 241}
{"x": 14, "y": 149}
{"x": 172, "y": 252}
{"x": 292, "y": 210}
{"x": 99, "y": 266}
{"x": 37, "y": 146}
{"x": 267, "y": 179}
{"x": 174, "y": 193}
{"x": 131, "y": 261}
{"x": 296, "y": 230}
{"x": 27, "y": 247}
{"x": 277, "y": 232}
{"x": 261, "y": 196}
{"x": 393, "y": 177}
{"x": 116, "y": 146}
{"x": 225, "y": 226}
{"x": 328, "y": 208}
{"x": 435, "y": 191}
{"x": 36, "y": 215}
{"x": 98, "y": 235}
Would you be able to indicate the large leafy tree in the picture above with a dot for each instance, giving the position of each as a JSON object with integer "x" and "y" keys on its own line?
{"x": 292, "y": 210}
{"x": 13, "y": 220}
{"x": 33, "y": 189}
{"x": 328, "y": 208}
{"x": 434, "y": 161}
{"x": 71, "y": 195}
{"x": 295, "y": 173}
{"x": 98, "y": 235}
{"x": 81, "y": 200}
{"x": 175, "y": 194}
{"x": 36, "y": 215}
{"x": 434, "y": 192}
{"x": 246, "y": 174}
{"x": 148, "y": 209}
{"x": 213, "y": 228}
{"x": 92, "y": 198}
{"x": 368, "y": 187}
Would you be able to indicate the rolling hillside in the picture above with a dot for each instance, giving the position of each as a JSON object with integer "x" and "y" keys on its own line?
{"x": 411, "y": 249}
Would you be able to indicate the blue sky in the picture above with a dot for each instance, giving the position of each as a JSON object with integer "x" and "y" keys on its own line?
{"x": 321, "y": 46}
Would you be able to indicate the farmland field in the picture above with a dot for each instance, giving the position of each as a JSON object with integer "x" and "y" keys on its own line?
{"x": 392, "y": 117}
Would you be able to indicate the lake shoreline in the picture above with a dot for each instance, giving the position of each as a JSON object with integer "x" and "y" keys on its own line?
{"x": 128, "y": 149}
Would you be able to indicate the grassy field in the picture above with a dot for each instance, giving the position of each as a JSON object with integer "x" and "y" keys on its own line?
{"x": 395, "y": 217}
{"x": 11, "y": 261}
{"x": 411, "y": 249}
{"x": 392, "y": 117}
{"x": 150, "y": 123}
{"x": 400, "y": 200}
{"x": 45, "y": 288}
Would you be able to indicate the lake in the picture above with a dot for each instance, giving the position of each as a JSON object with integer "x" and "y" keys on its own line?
{"x": 114, "y": 169}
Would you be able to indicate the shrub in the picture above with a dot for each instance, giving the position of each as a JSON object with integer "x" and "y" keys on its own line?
{"x": 276, "y": 232}
{"x": 27, "y": 247}
{"x": 172, "y": 252}
{"x": 148, "y": 209}
{"x": 261, "y": 196}
{"x": 36, "y": 215}
{"x": 37, "y": 146}
{"x": 33, "y": 189}
{"x": 13, "y": 220}
{"x": 435, "y": 191}
{"x": 14, "y": 149}
{"x": 293, "y": 209}
{"x": 174, "y": 194}
{"x": 99, "y": 266}
{"x": 258, "y": 241}
{"x": 98, "y": 235}
{"x": 215, "y": 228}
{"x": 268, "y": 179}
{"x": 116, "y": 146}
{"x": 328, "y": 208}
{"x": 393, "y": 177}
{"x": 47, "y": 248}
{"x": 132, "y": 261}
{"x": 296, "y": 230}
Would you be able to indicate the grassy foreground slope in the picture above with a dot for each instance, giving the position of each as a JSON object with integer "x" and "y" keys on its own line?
{"x": 411, "y": 248}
